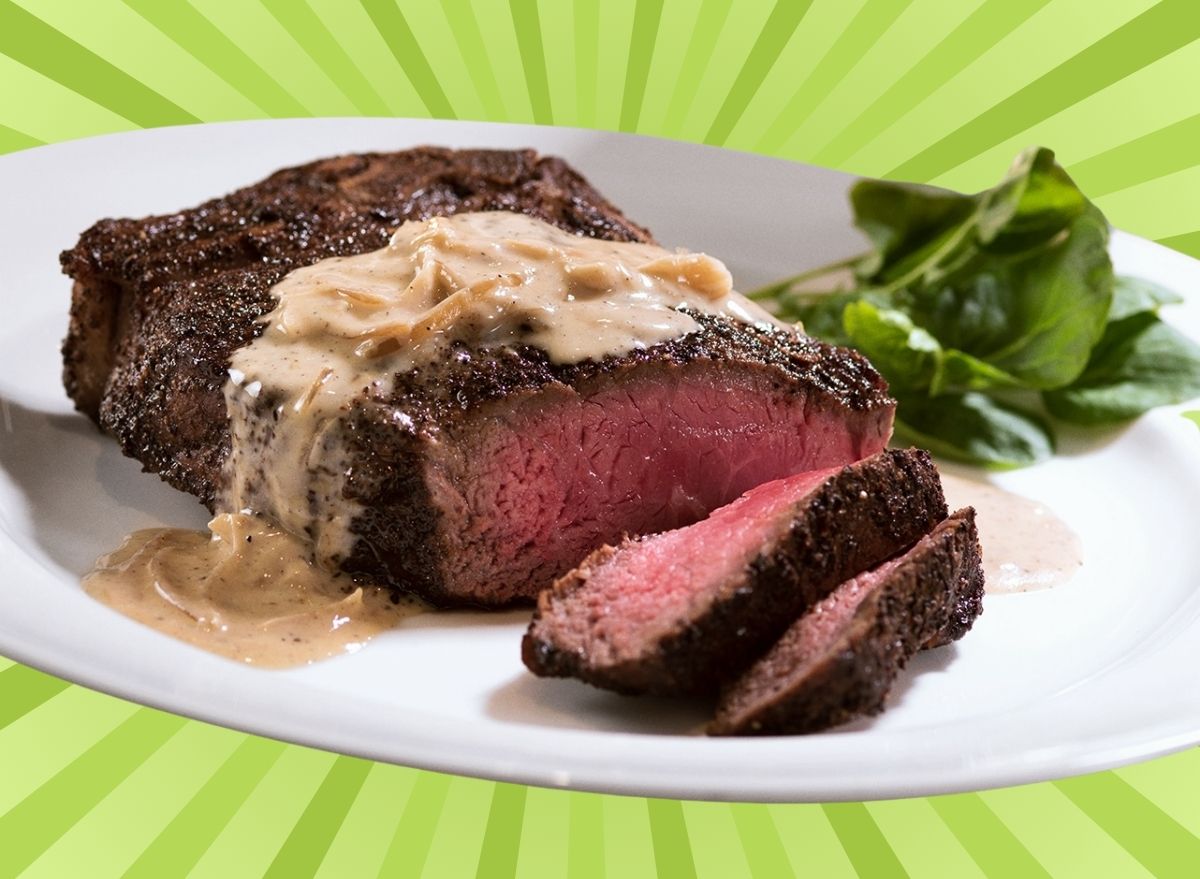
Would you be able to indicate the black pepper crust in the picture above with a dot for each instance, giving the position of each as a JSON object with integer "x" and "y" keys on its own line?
{"x": 924, "y": 598}
{"x": 389, "y": 436}
{"x": 857, "y": 519}
{"x": 466, "y": 379}
{"x": 160, "y": 303}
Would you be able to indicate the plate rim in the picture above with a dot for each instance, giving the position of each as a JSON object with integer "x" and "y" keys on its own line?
{"x": 1017, "y": 769}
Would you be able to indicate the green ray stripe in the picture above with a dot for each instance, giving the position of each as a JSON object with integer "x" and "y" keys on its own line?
{"x": 305, "y": 847}
{"x": 855, "y": 41}
{"x": 253, "y": 836}
{"x": 30, "y": 827}
{"x": 587, "y": 58}
{"x": 414, "y": 832}
{"x": 715, "y": 845}
{"x": 1188, "y": 243}
{"x": 628, "y": 843}
{"x": 709, "y": 22}
{"x": 585, "y": 837}
{"x": 865, "y": 846}
{"x": 811, "y": 844}
{"x": 558, "y": 40}
{"x": 30, "y": 41}
{"x": 502, "y": 834}
{"x": 205, "y": 42}
{"x": 299, "y": 20}
{"x": 36, "y": 747}
{"x": 454, "y": 848}
{"x": 545, "y": 834}
{"x": 392, "y": 26}
{"x": 533, "y": 57}
{"x": 1147, "y": 158}
{"x": 668, "y": 833}
{"x": 185, "y": 839}
{"x": 776, "y": 31}
{"x": 1159, "y": 208}
{"x": 1159, "y": 780}
{"x": 923, "y": 843}
{"x": 978, "y": 32}
{"x": 646, "y": 17}
{"x": 1158, "y": 31}
{"x": 989, "y": 842}
{"x": 465, "y": 28}
{"x": 1156, "y": 839}
{"x": 760, "y": 841}
{"x": 23, "y": 689}
{"x": 119, "y": 828}
{"x": 364, "y": 837}
{"x": 1044, "y": 820}
{"x": 12, "y": 140}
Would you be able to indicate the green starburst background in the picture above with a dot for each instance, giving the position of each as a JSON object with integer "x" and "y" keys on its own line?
{"x": 939, "y": 90}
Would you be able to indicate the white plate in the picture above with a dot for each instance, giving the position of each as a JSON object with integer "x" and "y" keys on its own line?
{"x": 1087, "y": 676}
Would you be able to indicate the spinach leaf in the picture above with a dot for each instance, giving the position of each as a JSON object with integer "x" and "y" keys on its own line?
{"x": 1016, "y": 278}
{"x": 975, "y": 428}
{"x": 910, "y": 358}
{"x": 966, "y": 302}
{"x": 1140, "y": 363}
{"x": 909, "y": 224}
{"x": 922, "y": 234}
{"x": 821, "y": 314}
{"x": 1133, "y": 295}
{"x": 907, "y": 355}
{"x": 1035, "y": 200}
{"x": 962, "y": 372}
{"x": 1035, "y": 313}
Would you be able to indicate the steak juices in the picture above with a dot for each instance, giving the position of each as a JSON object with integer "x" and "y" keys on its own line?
{"x": 462, "y": 412}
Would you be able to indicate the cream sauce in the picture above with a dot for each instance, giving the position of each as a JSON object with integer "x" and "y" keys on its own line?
{"x": 1025, "y": 546}
{"x": 346, "y": 326}
{"x": 490, "y": 278}
{"x": 245, "y": 590}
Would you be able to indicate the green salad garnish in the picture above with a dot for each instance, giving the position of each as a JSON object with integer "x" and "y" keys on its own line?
{"x": 993, "y": 315}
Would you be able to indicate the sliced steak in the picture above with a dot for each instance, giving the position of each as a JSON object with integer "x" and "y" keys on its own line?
{"x": 967, "y": 603}
{"x": 483, "y": 477}
{"x": 684, "y": 611}
{"x": 840, "y": 659}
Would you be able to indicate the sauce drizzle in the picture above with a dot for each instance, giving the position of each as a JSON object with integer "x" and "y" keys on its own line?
{"x": 245, "y": 590}
{"x": 1025, "y": 546}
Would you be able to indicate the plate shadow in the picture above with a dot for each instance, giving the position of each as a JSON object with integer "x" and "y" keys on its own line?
{"x": 81, "y": 494}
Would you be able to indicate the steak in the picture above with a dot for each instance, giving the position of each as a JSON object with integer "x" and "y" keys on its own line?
{"x": 160, "y": 303}
{"x": 513, "y": 469}
{"x": 481, "y": 477}
{"x": 684, "y": 611}
{"x": 840, "y": 659}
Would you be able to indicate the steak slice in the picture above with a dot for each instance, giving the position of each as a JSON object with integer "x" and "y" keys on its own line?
{"x": 840, "y": 659}
{"x": 480, "y": 478}
{"x": 160, "y": 303}
{"x": 684, "y": 611}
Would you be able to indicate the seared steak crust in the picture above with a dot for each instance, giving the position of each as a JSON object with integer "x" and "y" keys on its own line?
{"x": 856, "y": 519}
{"x": 160, "y": 303}
{"x": 402, "y": 531}
{"x": 812, "y": 680}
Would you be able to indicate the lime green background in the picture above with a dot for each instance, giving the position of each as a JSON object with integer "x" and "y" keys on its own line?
{"x": 939, "y": 90}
